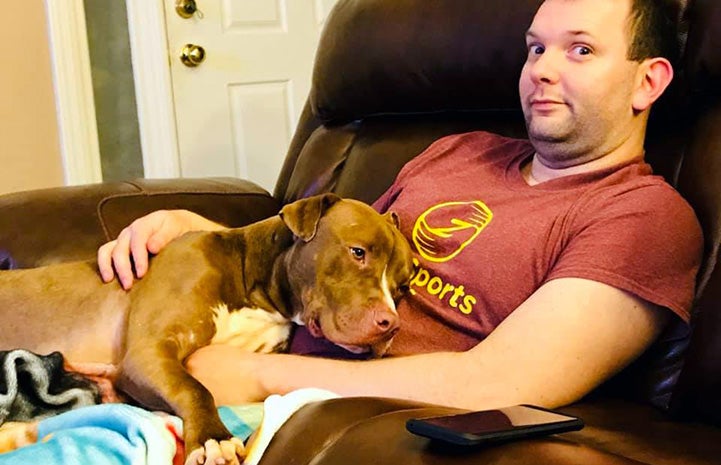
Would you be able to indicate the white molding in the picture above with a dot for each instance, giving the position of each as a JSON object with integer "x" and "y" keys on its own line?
{"x": 74, "y": 101}
{"x": 153, "y": 88}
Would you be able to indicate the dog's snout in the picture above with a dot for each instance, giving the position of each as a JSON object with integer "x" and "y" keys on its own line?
{"x": 386, "y": 321}
{"x": 383, "y": 323}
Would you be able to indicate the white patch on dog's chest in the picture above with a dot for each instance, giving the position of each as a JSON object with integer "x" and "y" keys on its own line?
{"x": 251, "y": 329}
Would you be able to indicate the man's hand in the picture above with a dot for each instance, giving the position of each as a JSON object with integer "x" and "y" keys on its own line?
{"x": 146, "y": 235}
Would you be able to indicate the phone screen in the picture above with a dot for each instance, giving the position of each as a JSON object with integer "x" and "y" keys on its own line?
{"x": 494, "y": 425}
{"x": 501, "y": 419}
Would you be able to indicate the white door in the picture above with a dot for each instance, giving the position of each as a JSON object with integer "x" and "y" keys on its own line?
{"x": 237, "y": 109}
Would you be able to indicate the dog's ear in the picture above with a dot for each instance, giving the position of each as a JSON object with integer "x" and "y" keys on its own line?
{"x": 302, "y": 216}
{"x": 392, "y": 218}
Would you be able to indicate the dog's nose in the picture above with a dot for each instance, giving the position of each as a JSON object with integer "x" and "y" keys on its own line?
{"x": 386, "y": 321}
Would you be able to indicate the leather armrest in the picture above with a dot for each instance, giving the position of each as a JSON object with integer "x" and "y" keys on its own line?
{"x": 46, "y": 226}
{"x": 365, "y": 430}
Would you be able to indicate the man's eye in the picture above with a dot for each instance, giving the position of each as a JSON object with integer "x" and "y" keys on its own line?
{"x": 582, "y": 50}
{"x": 535, "y": 49}
{"x": 358, "y": 253}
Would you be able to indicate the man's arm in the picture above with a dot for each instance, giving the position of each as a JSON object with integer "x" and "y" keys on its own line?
{"x": 568, "y": 337}
{"x": 146, "y": 235}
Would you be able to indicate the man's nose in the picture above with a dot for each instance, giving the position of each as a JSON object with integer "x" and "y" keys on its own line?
{"x": 545, "y": 68}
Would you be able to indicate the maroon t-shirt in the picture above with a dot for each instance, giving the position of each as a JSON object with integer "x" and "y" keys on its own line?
{"x": 484, "y": 240}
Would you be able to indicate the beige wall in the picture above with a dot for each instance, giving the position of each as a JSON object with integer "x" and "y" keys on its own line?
{"x": 29, "y": 147}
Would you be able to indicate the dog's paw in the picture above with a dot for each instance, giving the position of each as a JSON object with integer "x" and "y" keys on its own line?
{"x": 15, "y": 435}
{"x": 227, "y": 452}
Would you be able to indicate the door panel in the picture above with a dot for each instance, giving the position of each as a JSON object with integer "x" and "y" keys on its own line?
{"x": 260, "y": 112}
{"x": 237, "y": 110}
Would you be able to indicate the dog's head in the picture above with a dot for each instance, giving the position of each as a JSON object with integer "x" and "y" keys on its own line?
{"x": 348, "y": 267}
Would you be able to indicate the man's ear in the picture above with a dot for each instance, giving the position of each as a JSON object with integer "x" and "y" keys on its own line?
{"x": 302, "y": 216}
{"x": 655, "y": 74}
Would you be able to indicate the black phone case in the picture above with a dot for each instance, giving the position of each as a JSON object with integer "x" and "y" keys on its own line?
{"x": 420, "y": 427}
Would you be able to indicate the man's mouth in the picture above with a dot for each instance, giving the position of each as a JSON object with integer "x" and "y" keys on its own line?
{"x": 545, "y": 103}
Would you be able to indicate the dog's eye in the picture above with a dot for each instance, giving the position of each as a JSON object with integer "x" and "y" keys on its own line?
{"x": 358, "y": 253}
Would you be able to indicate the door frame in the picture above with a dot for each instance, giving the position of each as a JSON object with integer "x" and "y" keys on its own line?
{"x": 153, "y": 88}
{"x": 73, "y": 88}
{"x": 75, "y": 105}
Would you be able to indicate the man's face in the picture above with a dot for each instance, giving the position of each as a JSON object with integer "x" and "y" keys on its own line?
{"x": 577, "y": 85}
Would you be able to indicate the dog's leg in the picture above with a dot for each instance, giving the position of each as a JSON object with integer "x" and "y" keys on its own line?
{"x": 170, "y": 316}
{"x": 165, "y": 384}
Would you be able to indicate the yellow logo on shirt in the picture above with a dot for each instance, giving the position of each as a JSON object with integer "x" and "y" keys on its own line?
{"x": 434, "y": 285}
{"x": 444, "y": 230}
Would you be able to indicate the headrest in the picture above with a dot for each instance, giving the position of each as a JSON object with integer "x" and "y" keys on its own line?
{"x": 407, "y": 56}
{"x": 703, "y": 56}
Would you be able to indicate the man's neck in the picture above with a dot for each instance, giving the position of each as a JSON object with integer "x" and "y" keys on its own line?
{"x": 538, "y": 171}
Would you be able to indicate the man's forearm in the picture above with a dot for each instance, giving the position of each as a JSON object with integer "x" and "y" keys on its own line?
{"x": 539, "y": 355}
{"x": 588, "y": 332}
{"x": 443, "y": 378}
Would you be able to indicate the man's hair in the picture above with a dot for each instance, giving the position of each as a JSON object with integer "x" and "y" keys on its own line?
{"x": 654, "y": 30}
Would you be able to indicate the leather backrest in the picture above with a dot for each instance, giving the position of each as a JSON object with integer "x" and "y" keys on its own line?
{"x": 391, "y": 77}
{"x": 698, "y": 393}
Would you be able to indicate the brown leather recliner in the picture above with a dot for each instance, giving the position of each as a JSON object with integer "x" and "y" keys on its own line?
{"x": 390, "y": 77}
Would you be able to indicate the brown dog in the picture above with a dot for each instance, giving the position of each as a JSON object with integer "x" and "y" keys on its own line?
{"x": 333, "y": 265}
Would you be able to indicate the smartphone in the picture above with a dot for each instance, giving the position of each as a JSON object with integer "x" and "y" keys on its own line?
{"x": 493, "y": 426}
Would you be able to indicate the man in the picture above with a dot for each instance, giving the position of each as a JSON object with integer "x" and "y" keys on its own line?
{"x": 579, "y": 256}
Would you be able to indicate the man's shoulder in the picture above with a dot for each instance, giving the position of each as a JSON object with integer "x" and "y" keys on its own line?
{"x": 648, "y": 197}
{"x": 636, "y": 184}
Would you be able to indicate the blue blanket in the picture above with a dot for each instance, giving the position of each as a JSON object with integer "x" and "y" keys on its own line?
{"x": 119, "y": 434}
